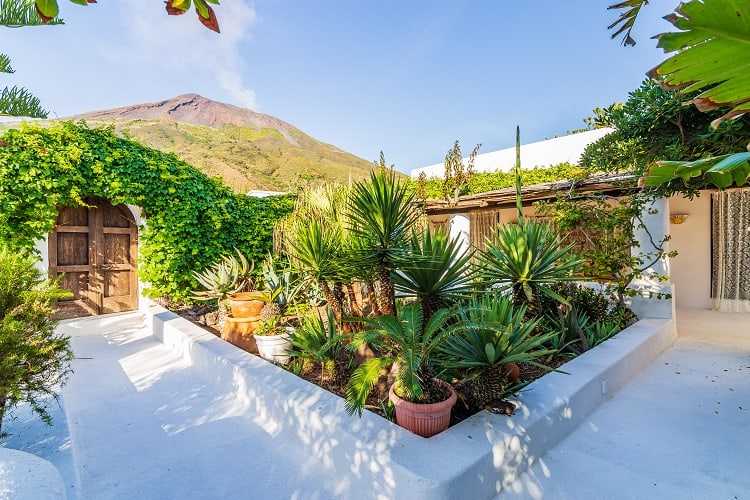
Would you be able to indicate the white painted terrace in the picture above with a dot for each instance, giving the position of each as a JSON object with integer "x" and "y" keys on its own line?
{"x": 159, "y": 408}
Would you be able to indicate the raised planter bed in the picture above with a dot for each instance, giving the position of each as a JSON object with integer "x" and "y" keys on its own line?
{"x": 375, "y": 458}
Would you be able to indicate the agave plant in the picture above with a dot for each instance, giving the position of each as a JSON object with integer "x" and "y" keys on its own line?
{"x": 281, "y": 284}
{"x": 406, "y": 342}
{"x": 527, "y": 258}
{"x": 318, "y": 341}
{"x": 436, "y": 272}
{"x": 219, "y": 280}
{"x": 224, "y": 277}
{"x": 382, "y": 214}
{"x": 490, "y": 334}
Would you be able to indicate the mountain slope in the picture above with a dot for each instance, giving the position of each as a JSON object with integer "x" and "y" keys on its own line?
{"x": 248, "y": 150}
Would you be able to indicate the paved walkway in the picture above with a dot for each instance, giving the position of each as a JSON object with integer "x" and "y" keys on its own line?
{"x": 680, "y": 430}
{"x": 144, "y": 425}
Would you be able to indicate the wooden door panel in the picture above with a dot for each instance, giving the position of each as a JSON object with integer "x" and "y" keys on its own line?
{"x": 95, "y": 248}
{"x": 76, "y": 282}
{"x": 72, "y": 249}
{"x": 117, "y": 249}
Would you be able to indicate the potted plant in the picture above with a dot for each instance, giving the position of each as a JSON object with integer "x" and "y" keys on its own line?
{"x": 244, "y": 302}
{"x": 272, "y": 338}
{"x": 422, "y": 401}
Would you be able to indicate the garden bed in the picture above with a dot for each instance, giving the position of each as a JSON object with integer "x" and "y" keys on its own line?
{"x": 477, "y": 457}
{"x": 204, "y": 316}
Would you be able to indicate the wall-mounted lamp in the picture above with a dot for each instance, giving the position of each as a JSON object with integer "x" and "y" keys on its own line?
{"x": 678, "y": 218}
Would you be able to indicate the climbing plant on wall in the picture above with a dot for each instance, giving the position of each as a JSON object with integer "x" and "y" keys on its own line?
{"x": 192, "y": 218}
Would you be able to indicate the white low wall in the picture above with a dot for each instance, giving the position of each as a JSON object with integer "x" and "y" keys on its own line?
{"x": 374, "y": 458}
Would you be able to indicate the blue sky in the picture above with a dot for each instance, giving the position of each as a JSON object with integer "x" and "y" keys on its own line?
{"x": 407, "y": 78}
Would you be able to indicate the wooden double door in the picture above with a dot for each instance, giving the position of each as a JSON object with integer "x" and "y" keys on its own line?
{"x": 95, "y": 249}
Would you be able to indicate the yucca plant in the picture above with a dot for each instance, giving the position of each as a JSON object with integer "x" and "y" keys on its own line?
{"x": 489, "y": 334}
{"x": 436, "y": 271}
{"x": 527, "y": 258}
{"x": 406, "y": 342}
{"x": 318, "y": 341}
{"x": 381, "y": 213}
{"x": 316, "y": 250}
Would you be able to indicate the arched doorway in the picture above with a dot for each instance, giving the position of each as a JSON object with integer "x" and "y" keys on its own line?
{"x": 95, "y": 248}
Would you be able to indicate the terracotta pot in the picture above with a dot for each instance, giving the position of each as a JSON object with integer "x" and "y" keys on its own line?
{"x": 246, "y": 304}
{"x": 424, "y": 419}
{"x": 274, "y": 348}
{"x": 511, "y": 372}
{"x": 239, "y": 331}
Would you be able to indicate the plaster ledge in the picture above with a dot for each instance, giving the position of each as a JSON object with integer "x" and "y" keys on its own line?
{"x": 373, "y": 458}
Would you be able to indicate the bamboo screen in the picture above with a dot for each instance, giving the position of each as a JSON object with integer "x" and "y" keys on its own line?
{"x": 483, "y": 225}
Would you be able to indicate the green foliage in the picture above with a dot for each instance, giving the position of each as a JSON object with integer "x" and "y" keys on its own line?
{"x": 283, "y": 285}
{"x": 18, "y": 13}
{"x": 457, "y": 173}
{"x": 527, "y": 258}
{"x": 654, "y": 124}
{"x": 318, "y": 341}
{"x": 721, "y": 171}
{"x": 407, "y": 341}
{"x": 17, "y": 101}
{"x": 711, "y": 54}
{"x": 436, "y": 271}
{"x": 624, "y": 23}
{"x": 491, "y": 332}
{"x": 192, "y": 220}
{"x": 34, "y": 359}
{"x": 381, "y": 215}
{"x": 599, "y": 331}
{"x": 602, "y": 229}
{"x": 482, "y": 182}
{"x": 226, "y": 276}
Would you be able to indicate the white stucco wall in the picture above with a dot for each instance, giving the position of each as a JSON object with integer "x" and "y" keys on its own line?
{"x": 691, "y": 268}
{"x": 536, "y": 154}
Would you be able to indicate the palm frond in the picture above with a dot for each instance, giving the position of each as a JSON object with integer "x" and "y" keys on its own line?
{"x": 20, "y": 13}
{"x": 18, "y": 101}
{"x": 362, "y": 381}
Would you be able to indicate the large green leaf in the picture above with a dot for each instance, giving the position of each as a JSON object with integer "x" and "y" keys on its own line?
{"x": 712, "y": 54}
{"x": 721, "y": 171}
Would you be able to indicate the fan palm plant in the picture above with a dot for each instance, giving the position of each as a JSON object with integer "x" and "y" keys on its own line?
{"x": 436, "y": 272}
{"x": 527, "y": 258}
{"x": 381, "y": 212}
{"x": 406, "y": 342}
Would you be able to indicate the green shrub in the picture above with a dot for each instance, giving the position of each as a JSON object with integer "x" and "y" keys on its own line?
{"x": 34, "y": 359}
{"x": 192, "y": 219}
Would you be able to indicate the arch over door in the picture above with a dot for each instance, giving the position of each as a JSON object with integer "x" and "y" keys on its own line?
{"x": 96, "y": 249}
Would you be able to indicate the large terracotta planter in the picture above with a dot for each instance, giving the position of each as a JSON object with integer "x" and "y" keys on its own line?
{"x": 246, "y": 304}
{"x": 424, "y": 419}
{"x": 274, "y": 348}
{"x": 239, "y": 331}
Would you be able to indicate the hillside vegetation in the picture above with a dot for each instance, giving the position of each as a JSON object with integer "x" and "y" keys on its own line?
{"x": 247, "y": 150}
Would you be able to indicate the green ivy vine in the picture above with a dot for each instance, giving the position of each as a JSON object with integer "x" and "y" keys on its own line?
{"x": 192, "y": 218}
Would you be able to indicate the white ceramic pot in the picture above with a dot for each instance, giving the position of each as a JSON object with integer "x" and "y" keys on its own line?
{"x": 274, "y": 348}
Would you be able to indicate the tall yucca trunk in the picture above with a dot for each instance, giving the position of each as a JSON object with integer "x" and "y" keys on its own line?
{"x": 385, "y": 292}
{"x": 331, "y": 299}
{"x": 372, "y": 299}
{"x": 356, "y": 309}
